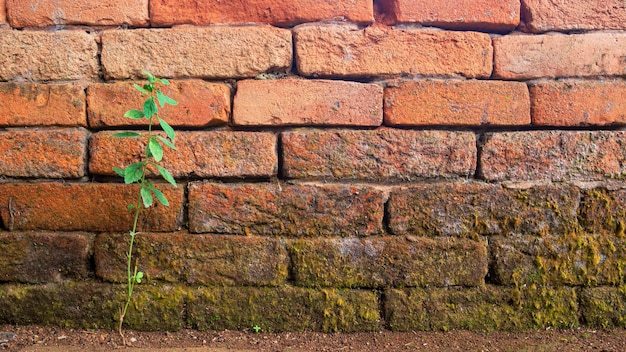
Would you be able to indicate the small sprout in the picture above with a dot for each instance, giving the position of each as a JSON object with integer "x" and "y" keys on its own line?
{"x": 256, "y": 329}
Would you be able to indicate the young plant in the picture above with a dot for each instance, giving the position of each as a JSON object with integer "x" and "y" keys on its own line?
{"x": 136, "y": 172}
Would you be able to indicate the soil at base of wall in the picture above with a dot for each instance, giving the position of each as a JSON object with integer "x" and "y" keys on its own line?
{"x": 35, "y": 338}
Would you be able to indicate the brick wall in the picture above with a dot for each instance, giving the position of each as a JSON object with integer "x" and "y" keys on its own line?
{"x": 344, "y": 165}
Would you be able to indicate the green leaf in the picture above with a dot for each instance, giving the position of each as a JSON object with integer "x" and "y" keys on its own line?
{"x": 150, "y": 108}
{"x": 166, "y": 175}
{"x": 161, "y": 197}
{"x": 165, "y": 81}
{"x": 118, "y": 171}
{"x": 127, "y": 134}
{"x": 141, "y": 89}
{"x": 151, "y": 78}
{"x": 167, "y": 142}
{"x": 134, "y": 114}
{"x": 138, "y": 277}
{"x": 146, "y": 196}
{"x": 168, "y": 129}
{"x": 155, "y": 149}
{"x": 133, "y": 172}
{"x": 164, "y": 99}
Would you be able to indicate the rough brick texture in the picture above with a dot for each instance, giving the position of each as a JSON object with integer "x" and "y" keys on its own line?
{"x": 214, "y": 260}
{"x": 347, "y": 51}
{"x": 35, "y": 13}
{"x": 553, "y": 155}
{"x": 200, "y": 104}
{"x": 604, "y": 211}
{"x": 604, "y": 307}
{"x": 289, "y": 210}
{"x": 47, "y": 56}
{"x": 45, "y": 153}
{"x": 281, "y": 12}
{"x": 84, "y": 207}
{"x": 33, "y": 257}
{"x": 307, "y": 102}
{"x": 465, "y": 103}
{"x": 484, "y": 15}
{"x": 204, "y": 52}
{"x": 388, "y": 262}
{"x": 205, "y": 154}
{"x": 379, "y": 154}
{"x": 32, "y": 104}
{"x": 575, "y": 55}
{"x": 578, "y": 103}
{"x": 546, "y": 15}
{"x": 473, "y": 209}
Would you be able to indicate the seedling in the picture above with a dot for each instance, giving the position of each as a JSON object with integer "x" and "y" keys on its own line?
{"x": 136, "y": 172}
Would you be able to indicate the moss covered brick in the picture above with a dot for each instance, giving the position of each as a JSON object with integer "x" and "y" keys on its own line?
{"x": 604, "y": 210}
{"x": 604, "y": 307}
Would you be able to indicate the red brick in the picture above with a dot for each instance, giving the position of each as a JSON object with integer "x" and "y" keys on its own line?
{"x": 84, "y": 207}
{"x": 378, "y": 154}
{"x": 483, "y": 15}
{"x": 578, "y": 103}
{"x": 36, "y": 13}
{"x": 203, "y": 52}
{"x": 47, "y": 56}
{"x": 467, "y": 103}
{"x": 3, "y": 13}
{"x": 557, "y": 55}
{"x": 36, "y": 257}
{"x": 389, "y": 262}
{"x": 31, "y": 104}
{"x": 200, "y": 104}
{"x": 214, "y": 260}
{"x": 275, "y": 12}
{"x": 553, "y": 155}
{"x": 347, "y": 51}
{"x": 307, "y": 102}
{"x": 294, "y": 210}
{"x": 568, "y": 15}
{"x": 201, "y": 154}
{"x": 45, "y": 153}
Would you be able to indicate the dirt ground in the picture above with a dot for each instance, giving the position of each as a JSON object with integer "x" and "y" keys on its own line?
{"x": 35, "y": 338}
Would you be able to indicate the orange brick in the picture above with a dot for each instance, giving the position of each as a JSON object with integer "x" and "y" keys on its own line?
{"x": 200, "y": 104}
{"x": 3, "y": 12}
{"x": 203, "y": 52}
{"x": 576, "y": 55}
{"x": 45, "y": 153}
{"x": 47, "y": 56}
{"x": 36, "y": 13}
{"x": 202, "y": 154}
{"x": 378, "y": 154}
{"x": 483, "y": 15}
{"x": 567, "y": 15}
{"x": 31, "y": 104}
{"x": 347, "y": 51}
{"x": 469, "y": 103}
{"x": 85, "y": 207}
{"x": 307, "y": 102}
{"x": 275, "y": 12}
{"x": 578, "y": 103}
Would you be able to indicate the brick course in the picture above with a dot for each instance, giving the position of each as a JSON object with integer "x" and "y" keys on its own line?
{"x": 545, "y": 15}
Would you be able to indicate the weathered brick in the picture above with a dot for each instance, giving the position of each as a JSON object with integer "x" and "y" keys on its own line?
{"x": 344, "y": 50}
{"x": 200, "y": 104}
{"x": 37, "y": 257}
{"x": 295, "y": 210}
{"x": 377, "y": 154}
{"x": 31, "y": 104}
{"x": 285, "y": 308}
{"x": 89, "y": 305}
{"x": 604, "y": 211}
{"x": 472, "y": 209}
{"x": 470, "y": 103}
{"x": 214, "y": 260}
{"x": 482, "y": 308}
{"x": 573, "y": 259}
{"x": 47, "y": 56}
{"x": 388, "y": 262}
{"x": 276, "y": 12}
{"x": 3, "y": 13}
{"x": 35, "y": 13}
{"x": 307, "y": 102}
{"x": 578, "y": 103}
{"x": 203, "y": 154}
{"x": 572, "y": 15}
{"x": 553, "y": 155}
{"x": 603, "y": 307}
{"x": 44, "y": 153}
{"x": 576, "y": 55}
{"x": 486, "y": 15}
{"x": 84, "y": 207}
{"x": 203, "y": 52}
